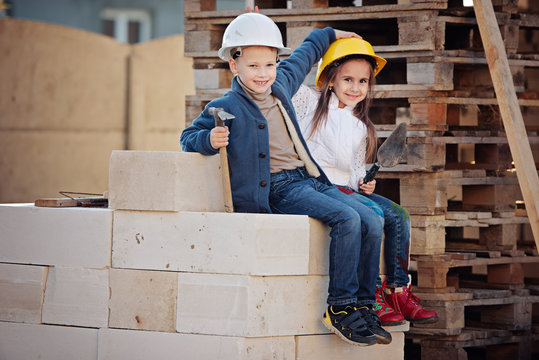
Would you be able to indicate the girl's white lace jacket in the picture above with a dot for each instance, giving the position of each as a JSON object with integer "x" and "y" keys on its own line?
{"x": 339, "y": 147}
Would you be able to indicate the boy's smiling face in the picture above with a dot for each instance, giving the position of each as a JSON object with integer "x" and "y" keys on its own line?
{"x": 256, "y": 67}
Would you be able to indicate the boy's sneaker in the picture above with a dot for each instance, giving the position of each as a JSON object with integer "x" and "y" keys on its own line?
{"x": 375, "y": 325}
{"x": 387, "y": 315}
{"x": 409, "y": 305}
{"x": 349, "y": 325}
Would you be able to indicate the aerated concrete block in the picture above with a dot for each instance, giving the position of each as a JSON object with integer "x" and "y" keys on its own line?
{"x": 251, "y": 306}
{"x": 226, "y": 243}
{"x": 144, "y": 300}
{"x": 323, "y": 347}
{"x": 21, "y": 292}
{"x": 77, "y": 296}
{"x": 144, "y": 345}
{"x": 78, "y": 237}
{"x": 165, "y": 181}
{"x": 319, "y": 241}
{"x": 46, "y": 342}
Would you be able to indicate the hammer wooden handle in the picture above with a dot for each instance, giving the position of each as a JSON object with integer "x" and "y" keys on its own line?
{"x": 229, "y": 207}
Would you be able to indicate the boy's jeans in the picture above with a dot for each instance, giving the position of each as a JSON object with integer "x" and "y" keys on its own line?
{"x": 356, "y": 232}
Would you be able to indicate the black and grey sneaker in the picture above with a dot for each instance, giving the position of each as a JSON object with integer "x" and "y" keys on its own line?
{"x": 374, "y": 324}
{"x": 349, "y": 324}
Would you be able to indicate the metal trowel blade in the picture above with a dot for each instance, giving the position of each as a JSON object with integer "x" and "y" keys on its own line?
{"x": 390, "y": 152}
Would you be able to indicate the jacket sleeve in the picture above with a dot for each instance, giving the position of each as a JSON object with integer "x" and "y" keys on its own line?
{"x": 196, "y": 137}
{"x": 294, "y": 69}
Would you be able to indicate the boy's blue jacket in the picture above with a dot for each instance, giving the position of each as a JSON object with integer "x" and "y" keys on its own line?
{"x": 248, "y": 149}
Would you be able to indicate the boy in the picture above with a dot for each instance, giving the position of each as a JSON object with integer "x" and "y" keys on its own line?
{"x": 272, "y": 170}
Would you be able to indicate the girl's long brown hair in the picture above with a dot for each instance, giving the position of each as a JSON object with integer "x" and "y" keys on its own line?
{"x": 361, "y": 110}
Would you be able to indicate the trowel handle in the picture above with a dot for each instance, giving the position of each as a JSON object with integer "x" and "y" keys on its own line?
{"x": 371, "y": 173}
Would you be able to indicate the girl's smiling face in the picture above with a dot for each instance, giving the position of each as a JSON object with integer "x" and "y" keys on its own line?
{"x": 351, "y": 84}
{"x": 256, "y": 67}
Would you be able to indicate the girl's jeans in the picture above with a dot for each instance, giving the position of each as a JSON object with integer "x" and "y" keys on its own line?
{"x": 397, "y": 239}
{"x": 356, "y": 232}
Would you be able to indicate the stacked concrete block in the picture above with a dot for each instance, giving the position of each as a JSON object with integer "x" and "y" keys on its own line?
{"x": 76, "y": 296}
{"x": 76, "y": 237}
{"x": 21, "y": 292}
{"x": 143, "y": 299}
{"x": 165, "y": 272}
{"x": 164, "y": 181}
{"x": 257, "y": 280}
{"x": 20, "y": 341}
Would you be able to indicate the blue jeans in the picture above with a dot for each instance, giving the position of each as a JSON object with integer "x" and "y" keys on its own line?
{"x": 356, "y": 232}
{"x": 397, "y": 240}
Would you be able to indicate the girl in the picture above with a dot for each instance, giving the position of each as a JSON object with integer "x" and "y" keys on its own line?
{"x": 341, "y": 137}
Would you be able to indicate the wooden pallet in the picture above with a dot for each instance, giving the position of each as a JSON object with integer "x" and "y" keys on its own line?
{"x": 445, "y": 273}
{"x": 473, "y": 344}
{"x": 486, "y": 308}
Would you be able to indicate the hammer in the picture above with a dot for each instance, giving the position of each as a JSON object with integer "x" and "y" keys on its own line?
{"x": 219, "y": 115}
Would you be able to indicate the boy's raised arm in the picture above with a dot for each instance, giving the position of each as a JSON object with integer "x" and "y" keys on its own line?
{"x": 308, "y": 54}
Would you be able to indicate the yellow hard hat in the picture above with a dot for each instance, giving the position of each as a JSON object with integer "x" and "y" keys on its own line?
{"x": 344, "y": 47}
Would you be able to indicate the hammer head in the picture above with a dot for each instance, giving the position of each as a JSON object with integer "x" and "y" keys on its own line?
{"x": 220, "y": 116}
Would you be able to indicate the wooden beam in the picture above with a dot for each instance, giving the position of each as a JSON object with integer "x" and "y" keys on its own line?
{"x": 510, "y": 110}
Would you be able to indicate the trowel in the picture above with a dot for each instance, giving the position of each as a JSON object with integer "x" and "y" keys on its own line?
{"x": 390, "y": 152}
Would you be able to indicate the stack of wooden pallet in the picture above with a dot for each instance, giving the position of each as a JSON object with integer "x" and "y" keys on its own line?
{"x": 471, "y": 238}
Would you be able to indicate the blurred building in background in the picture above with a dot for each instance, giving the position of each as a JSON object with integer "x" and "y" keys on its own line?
{"x": 128, "y": 21}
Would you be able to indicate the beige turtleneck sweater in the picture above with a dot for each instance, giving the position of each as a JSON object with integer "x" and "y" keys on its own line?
{"x": 283, "y": 155}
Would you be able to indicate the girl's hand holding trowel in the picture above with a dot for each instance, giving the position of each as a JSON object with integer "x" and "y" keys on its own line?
{"x": 367, "y": 188}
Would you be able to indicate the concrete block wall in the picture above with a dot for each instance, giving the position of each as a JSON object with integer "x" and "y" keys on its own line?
{"x": 151, "y": 282}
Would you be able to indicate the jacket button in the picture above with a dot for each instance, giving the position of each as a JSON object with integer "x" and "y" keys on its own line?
{"x": 263, "y": 183}
{"x": 261, "y": 126}
{"x": 264, "y": 211}
{"x": 262, "y": 155}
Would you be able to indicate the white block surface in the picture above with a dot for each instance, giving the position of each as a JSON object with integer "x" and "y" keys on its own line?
{"x": 165, "y": 181}
{"x": 251, "y": 306}
{"x": 79, "y": 237}
{"x": 143, "y": 300}
{"x": 145, "y": 345}
{"x": 77, "y": 296}
{"x": 234, "y": 243}
{"x": 21, "y": 292}
{"x": 324, "y": 347}
{"x": 46, "y": 342}
{"x": 319, "y": 241}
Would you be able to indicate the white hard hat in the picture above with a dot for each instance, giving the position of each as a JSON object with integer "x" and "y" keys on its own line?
{"x": 251, "y": 29}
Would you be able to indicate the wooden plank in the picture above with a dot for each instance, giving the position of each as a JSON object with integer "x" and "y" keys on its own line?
{"x": 72, "y": 202}
{"x": 510, "y": 110}
{"x": 325, "y": 14}
{"x": 470, "y": 101}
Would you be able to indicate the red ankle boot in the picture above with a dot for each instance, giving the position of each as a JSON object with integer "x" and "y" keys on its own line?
{"x": 387, "y": 315}
{"x": 409, "y": 305}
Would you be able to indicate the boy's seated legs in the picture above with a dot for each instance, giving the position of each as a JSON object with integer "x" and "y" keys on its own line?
{"x": 351, "y": 281}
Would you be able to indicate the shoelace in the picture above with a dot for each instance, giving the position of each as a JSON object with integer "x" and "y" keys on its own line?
{"x": 380, "y": 302}
{"x": 411, "y": 296}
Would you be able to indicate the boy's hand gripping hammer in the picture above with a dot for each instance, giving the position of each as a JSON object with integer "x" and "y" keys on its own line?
{"x": 220, "y": 116}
